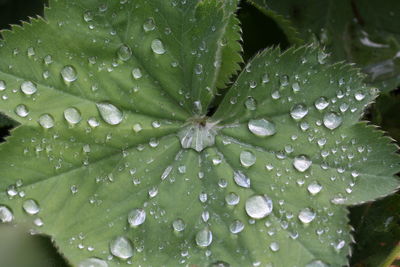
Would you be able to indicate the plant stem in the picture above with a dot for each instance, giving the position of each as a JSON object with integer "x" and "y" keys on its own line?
{"x": 392, "y": 256}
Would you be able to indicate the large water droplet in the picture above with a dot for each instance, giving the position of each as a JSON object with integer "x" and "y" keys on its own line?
{"x": 93, "y": 262}
{"x": 306, "y": 215}
{"x": 121, "y": 247}
{"x": 302, "y": 163}
{"x": 314, "y": 188}
{"x": 69, "y": 74}
{"x": 241, "y": 179}
{"x": 149, "y": 25}
{"x": 5, "y": 214}
{"x": 236, "y": 227}
{"x": 204, "y": 237}
{"x": 158, "y": 47}
{"x": 22, "y": 111}
{"x": 259, "y": 206}
{"x": 247, "y": 159}
{"x": 261, "y": 127}
{"x": 298, "y": 111}
{"x": 28, "y": 88}
{"x": 178, "y": 225}
{"x": 124, "y": 52}
{"x": 332, "y": 120}
{"x": 317, "y": 263}
{"x": 46, "y": 121}
{"x": 136, "y": 217}
{"x": 72, "y": 115}
{"x": 232, "y": 199}
{"x": 31, "y": 207}
{"x": 110, "y": 113}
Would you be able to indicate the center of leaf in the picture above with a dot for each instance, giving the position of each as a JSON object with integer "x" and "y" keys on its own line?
{"x": 198, "y": 134}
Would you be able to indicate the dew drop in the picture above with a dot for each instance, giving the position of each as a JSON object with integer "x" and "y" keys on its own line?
{"x": 314, "y": 188}
{"x": 332, "y": 120}
{"x": 232, "y": 199}
{"x": 137, "y": 127}
{"x": 261, "y": 127}
{"x": 88, "y": 16}
{"x": 179, "y": 225}
{"x": 149, "y": 25}
{"x": 28, "y": 88}
{"x": 236, "y": 227}
{"x": 93, "y": 122}
{"x": 110, "y": 113}
{"x": 5, "y": 214}
{"x": 259, "y": 206}
{"x": 306, "y": 215}
{"x": 46, "y": 121}
{"x": 265, "y": 78}
{"x": 2, "y": 85}
{"x": 69, "y": 74}
{"x": 296, "y": 87}
{"x": 274, "y": 246}
{"x": 124, "y": 52}
{"x": 136, "y": 73}
{"x": 121, "y": 247}
{"x": 204, "y": 237}
{"x": 31, "y": 207}
{"x": 72, "y": 115}
{"x": 241, "y": 179}
{"x": 321, "y": 103}
{"x": 136, "y": 217}
{"x": 93, "y": 262}
{"x": 302, "y": 163}
{"x": 250, "y": 103}
{"x": 247, "y": 159}
{"x": 22, "y": 111}
{"x": 298, "y": 111}
{"x": 158, "y": 47}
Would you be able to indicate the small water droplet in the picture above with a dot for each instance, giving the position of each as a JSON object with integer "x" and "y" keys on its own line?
{"x": 232, "y": 199}
{"x": 236, "y": 227}
{"x": 136, "y": 73}
{"x": 265, "y": 78}
{"x": 136, "y": 217}
{"x": 241, "y": 179}
{"x": 306, "y": 215}
{"x": 149, "y": 25}
{"x": 317, "y": 263}
{"x": 158, "y": 47}
{"x": 110, "y": 113}
{"x": 261, "y": 127}
{"x": 72, "y": 115}
{"x": 204, "y": 237}
{"x": 6, "y": 214}
{"x": 93, "y": 122}
{"x": 2, "y": 85}
{"x": 250, "y": 103}
{"x": 332, "y": 120}
{"x": 321, "y": 103}
{"x": 314, "y": 188}
{"x": 88, "y": 16}
{"x": 179, "y": 225}
{"x": 93, "y": 262}
{"x": 259, "y": 206}
{"x": 31, "y": 207}
{"x": 274, "y": 246}
{"x": 302, "y": 163}
{"x": 69, "y": 74}
{"x": 124, "y": 52}
{"x": 121, "y": 247}
{"x": 296, "y": 87}
{"x": 28, "y": 88}
{"x": 46, "y": 121}
{"x": 247, "y": 159}
{"x": 298, "y": 111}
{"x": 22, "y": 111}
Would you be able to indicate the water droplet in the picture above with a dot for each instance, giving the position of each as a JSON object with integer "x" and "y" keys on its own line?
{"x": 5, "y": 214}
{"x": 306, "y": 215}
{"x": 359, "y": 96}
{"x": 72, "y": 115}
{"x": 149, "y": 25}
{"x": 274, "y": 246}
{"x": 69, "y": 74}
{"x": 110, "y": 113}
{"x": 93, "y": 262}
{"x": 46, "y": 121}
{"x": 247, "y": 159}
{"x": 296, "y": 87}
{"x": 198, "y": 69}
{"x": 332, "y": 120}
{"x": 121, "y": 247}
{"x": 261, "y": 127}
{"x": 284, "y": 80}
{"x": 265, "y": 78}
{"x": 136, "y": 73}
{"x": 302, "y": 163}
{"x": 136, "y": 217}
{"x": 258, "y": 207}
{"x": 236, "y": 227}
{"x": 321, "y": 103}
{"x": 241, "y": 179}
{"x": 28, "y": 88}
{"x": 322, "y": 57}
{"x": 250, "y": 103}
{"x": 124, "y": 52}
{"x": 137, "y": 127}
{"x": 204, "y": 238}
{"x": 2, "y": 85}
{"x": 179, "y": 225}
{"x": 88, "y": 16}
{"x": 31, "y": 207}
{"x": 314, "y": 188}
{"x": 298, "y": 111}
{"x": 317, "y": 263}
{"x": 93, "y": 122}
{"x": 22, "y": 111}
{"x": 232, "y": 199}
{"x": 158, "y": 47}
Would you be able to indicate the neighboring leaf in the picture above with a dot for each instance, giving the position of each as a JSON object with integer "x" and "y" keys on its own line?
{"x": 116, "y": 161}
{"x": 365, "y": 32}
{"x": 4, "y": 121}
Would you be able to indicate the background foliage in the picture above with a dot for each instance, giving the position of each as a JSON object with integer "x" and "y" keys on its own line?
{"x": 377, "y": 225}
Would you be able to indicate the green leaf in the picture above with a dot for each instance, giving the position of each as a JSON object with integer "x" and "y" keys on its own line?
{"x": 364, "y": 32}
{"x": 116, "y": 161}
{"x": 5, "y": 121}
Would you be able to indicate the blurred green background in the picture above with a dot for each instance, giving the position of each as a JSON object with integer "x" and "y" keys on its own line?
{"x": 377, "y": 225}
